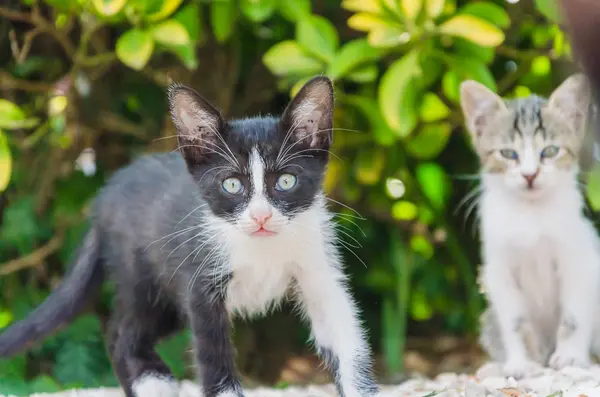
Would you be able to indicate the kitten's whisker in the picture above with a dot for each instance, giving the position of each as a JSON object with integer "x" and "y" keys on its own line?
{"x": 469, "y": 196}
{"x": 171, "y": 234}
{"x": 191, "y": 212}
{"x": 346, "y": 206}
{"x": 350, "y": 221}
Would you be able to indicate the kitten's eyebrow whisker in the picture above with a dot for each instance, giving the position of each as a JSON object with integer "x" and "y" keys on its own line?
{"x": 345, "y": 206}
{"x": 210, "y": 150}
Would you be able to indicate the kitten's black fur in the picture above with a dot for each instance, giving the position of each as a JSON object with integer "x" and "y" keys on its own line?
{"x": 133, "y": 238}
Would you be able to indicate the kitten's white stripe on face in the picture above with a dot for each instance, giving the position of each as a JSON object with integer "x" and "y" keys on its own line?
{"x": 257, "y": 174}
{"x": 155, "y": 385}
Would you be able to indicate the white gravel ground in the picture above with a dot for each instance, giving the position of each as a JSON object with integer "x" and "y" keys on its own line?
{"x": 570, "y": 382}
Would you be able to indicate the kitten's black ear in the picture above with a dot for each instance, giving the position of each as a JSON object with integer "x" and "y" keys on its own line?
{"x": 309, "y": 117}
{"x": 199, "y": 124}
{"x": 571, "y": 100}
{"x": 479, "y": 105}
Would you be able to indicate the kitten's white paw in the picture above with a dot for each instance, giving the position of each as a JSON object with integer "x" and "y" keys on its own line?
{"x": 155, "y": 385}
{"x": 519, "y": 369}
{"x": 564, "y": 357}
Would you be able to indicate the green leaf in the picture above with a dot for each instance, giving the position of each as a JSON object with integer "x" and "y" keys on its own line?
{"x": 174, "y": 352}
{"x": 420, "y": 309}
{"x": 593, "y": 190}
{"x": 352, "y": 56}
{"x": 134, "y": 48}
{"x": 432, "y": 108}
{"x": 167, "y": 8}
{"x": 43, "y": 384}
{"x": 490, "y": 12}
{"x": 20, "y": 227}
{"x": 170, "y": 32}
{"x": 549, "y": 9}
{"x": 471, "y": 68}
{"x": 13, "y": 387}
{"x": 222, "y": 17}
{"x": 6, "y": 317}
{"x": 365, "y": 74}
{"x": 294, "y": 10}
{"x": 9, "y": 114}
{"x": 434, "y": 183}
{"x": 368, "y": 166}
{"x": 451, "y": 86}
{"x": 317, "y": 36}
{"x": 382, "y": 133}
{"x": 109, "y": 8}
{"x": 468, "y": 49}
{"x": 429, "y": 141}
{"x": 258, "y": 10}
{"x": 5, "y": 162}
{"x": 541, "y": 65}
{"x": 190, "y": 17}
{"x": 473, "y": 28}
{"x": 288, "y": 58}
{"x": 13, "y": 368}
{"x": 62, "y": 5}
{"x": 404, "y": 210}
{"x": 396, "y": 93}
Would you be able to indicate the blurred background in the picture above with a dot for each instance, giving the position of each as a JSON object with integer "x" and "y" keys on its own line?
{"x": 83, "y": 83}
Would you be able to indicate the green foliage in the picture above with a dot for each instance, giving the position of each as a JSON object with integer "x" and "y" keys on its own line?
{"x": 99, "y": 79}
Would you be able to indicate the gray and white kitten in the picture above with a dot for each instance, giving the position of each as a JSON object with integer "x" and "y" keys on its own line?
{"x": 227, "y": 229}
{"x": 541, "y": 255}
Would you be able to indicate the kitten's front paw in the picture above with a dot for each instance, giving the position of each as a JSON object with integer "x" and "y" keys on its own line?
{"x": 519, "y": 369}
{"x": 564, "y": 357}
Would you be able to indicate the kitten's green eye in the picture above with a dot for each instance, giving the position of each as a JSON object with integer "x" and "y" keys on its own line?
{"x": 550, "y": 151}
{"x": 509, "y": 154}
{"x": 233, "y": 186}
{"x": 285, "y": 182}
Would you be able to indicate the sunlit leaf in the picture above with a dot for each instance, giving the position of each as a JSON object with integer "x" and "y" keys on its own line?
{"x": 44, "y": 384}
{"x": 317, "y": 36}
{"x": 432, "y": 108}
{"x": 9, "y": 114}
{"x": 351, "y": 56}
{"x": 6, "y": 317}
{"x": 222, "y": 18}
{"x": 490, "y": 12}
{"x": 187, "y": 54}
{"x": 287, "y": 58}
{"x": 57, "y": 104}
{"x": 294, "y": 10}
{"x": 109, "y": 7}
{"x": 170, "y": 32}
{"x": 364, "y": 21}
{"x": 387, "y": 36}
{"x": 258, "y": 10}
{"x": 435, "y": 7}
{"x": 5, "y": 162}
{"x": 134, "y": 48}
{"x": 429, "y": 141}
{"x": 372, "y": 6}
{"x": 549, "y": 8}
{"x": 167, "y": 8}
{"x": 366, "y": 74}
{"x": 433, "y": 182}
{"x": 404, "y": 210}
{"x": 593, "y": 187}
{"x": 450, "y": 85}
{"x": 541, "y": 65}
{"x": 394, "y": 86}
{"x": 473, "y": 28}
{"x": 190, "y": 17}
{"x": 411, "y": 8}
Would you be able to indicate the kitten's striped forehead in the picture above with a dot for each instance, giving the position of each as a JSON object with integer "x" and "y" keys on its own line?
{"x": 527, "y": 118}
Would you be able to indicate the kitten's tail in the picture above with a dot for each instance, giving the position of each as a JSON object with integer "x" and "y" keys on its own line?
{"x": 64, "y": 303}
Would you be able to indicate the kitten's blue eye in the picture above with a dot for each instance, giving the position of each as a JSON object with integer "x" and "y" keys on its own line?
{"x": 509, "y": 154}
{"x": 550, "y": 151}
{"x": 233, "y": 186}
{"x": 285, "y": 182}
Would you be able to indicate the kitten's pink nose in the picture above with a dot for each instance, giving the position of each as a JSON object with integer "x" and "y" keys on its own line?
{"x": 530, "y": 178}
{"x": 262, "y": 216}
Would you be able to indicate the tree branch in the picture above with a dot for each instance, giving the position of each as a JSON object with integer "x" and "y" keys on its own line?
{"x": 33, "y": 259}
{"x": 9, "y": 82}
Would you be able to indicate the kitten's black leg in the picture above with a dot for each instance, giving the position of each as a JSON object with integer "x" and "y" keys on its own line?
{"x": 213, "y": 349}
{"x": 139, "y": 368}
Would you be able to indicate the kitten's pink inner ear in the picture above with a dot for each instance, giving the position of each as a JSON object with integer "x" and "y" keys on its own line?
{"x": 308, "y": 126}
{"x": 188, "y": 121}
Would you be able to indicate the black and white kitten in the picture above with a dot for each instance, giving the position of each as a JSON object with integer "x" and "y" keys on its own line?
{"x": 229, "y": 228}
